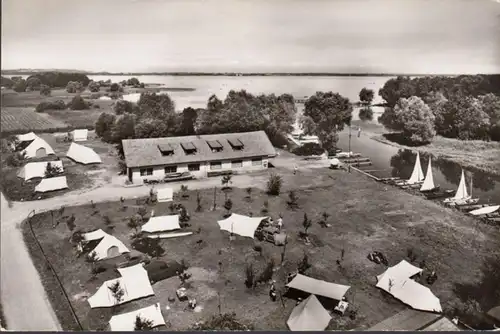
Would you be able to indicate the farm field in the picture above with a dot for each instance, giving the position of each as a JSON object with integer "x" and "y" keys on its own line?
{"x": 79, "y": 176}
{"x": 20, "y": 120}
{"x": 364, "y": 216}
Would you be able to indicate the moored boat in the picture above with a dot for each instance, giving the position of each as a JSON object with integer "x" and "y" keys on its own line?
{"x": 461, "y": 196}
{"x": 428, "y": 186}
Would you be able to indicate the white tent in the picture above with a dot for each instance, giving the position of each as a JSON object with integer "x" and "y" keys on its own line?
{"x": 396, "y": 281}
{"x": 168, "y": 235}
{"x": 38, "y": 148}
{"x": 108, "y": 247}
{"x": 82, "y": 154}
{"x": 134, "y": 281}
{"x": 165, "y": 194}
{"x": 79, "y": 135}
{"x": 318, "y": 287}
{"x": 52, "y": 184}
{"x": 486, "y": 210}
{"x": 37, "y": 169}
{"x": 27, "y": 137}
{"x": 241, "y": 225}
{"x": 125, "y": 322}
{"x": 161, "y": 223}
{"x": 309, "y": 315}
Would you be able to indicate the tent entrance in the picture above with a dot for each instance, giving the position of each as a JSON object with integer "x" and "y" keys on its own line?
{"x": 41, "y": 152}
{"x": 113, "y": 252}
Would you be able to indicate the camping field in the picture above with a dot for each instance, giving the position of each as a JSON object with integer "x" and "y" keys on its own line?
{"x": 365, "y": 216}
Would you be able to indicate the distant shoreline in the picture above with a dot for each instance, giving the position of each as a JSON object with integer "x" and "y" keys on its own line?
{"x": 229, "y": 74}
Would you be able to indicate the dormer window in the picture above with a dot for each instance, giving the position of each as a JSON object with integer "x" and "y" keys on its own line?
{"x": 236, "y": 144}
{"x": 215, "y": 146}
{"x": 189, "y": 148}
{"x": 166, "y": 149}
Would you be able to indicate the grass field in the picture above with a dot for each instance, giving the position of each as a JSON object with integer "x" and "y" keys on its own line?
{"x": 20, "y": 120}
{"x": 364, "y": 217}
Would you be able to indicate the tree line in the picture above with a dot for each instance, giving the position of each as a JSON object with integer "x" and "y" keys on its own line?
{"x": 464, "y": 107}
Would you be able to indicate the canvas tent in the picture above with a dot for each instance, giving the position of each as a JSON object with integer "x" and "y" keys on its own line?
{"x": 396, "y": 281}
{"x": 161, "y": 223}
{"x": 108, "y": 247}
{"x": 165, "y": 194}
{"x": 134, "y": 281}
{"x": 37, "y": 169}
{"x": 82, "y": 154}
{"x": 318, "y": 287}
{"x": 495, "y": 313}
{"x": 241, "y": 225}
{"x": 27, "y": 137}
{"x": 125, "y": 322}
{"x": 52, "y": 184}
{"x": 79, "y": 135}
{"x": 413, "y": 320}
{"x": 309, "y": 315}
{"x": 38, "y": 148}
{"x": 486, "y": 210}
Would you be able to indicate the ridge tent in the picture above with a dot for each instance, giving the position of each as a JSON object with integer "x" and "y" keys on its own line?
{"x": 401, "y": 270}
{"x": 37, "y": 169}
{"x": 125, "y": 322}
{"x": 309, "y": 315}
{"x": 108, "y": 243}
{"x": 164, "y": 195}
{"x": 82, "y": 154}
{"x": 161, "y": 223}
{"x": 38, "y": 148}
{"x": 318, "y": 287}
{"x": 134, "y": 281}
{"x": 241, "y": 225}
{"x": 79, "y": 135}
{"x": 27, "y": 137}
{"x": 52, "y": 184}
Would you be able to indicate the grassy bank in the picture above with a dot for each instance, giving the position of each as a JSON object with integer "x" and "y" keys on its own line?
{"x": 364, "y": 217}
{"x": 472, "y": 154}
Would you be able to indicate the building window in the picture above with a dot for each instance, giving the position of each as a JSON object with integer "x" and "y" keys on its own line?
{"x": 170, "y": 169}
{"x": 146, "y": 171}
{"x": 216, "y": 165}
{"x": 257, "y": 162}
{"x": 193, "y": 167}
{"x": 236, "y": 163}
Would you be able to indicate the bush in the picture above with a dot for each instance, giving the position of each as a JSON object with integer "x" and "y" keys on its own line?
{"x": 56, "y": 105}
{"x": 45, "y": 90}
{"x": 123, "y": 107}
{"x": 415, "y": 119}
{"x": 274, "y": 184}
{"x": 366, "y": 95}
{"x": 74, "y": 87}
{"x": 78, "y": 103}
{"x": 115, "y": 87}
{"x": 104, "y": 126}
{"x": 222, "y": 322}
{"x": 7, "y": 83}
{"x": 94, "y": 87}
{"x": 15, "y": 159}
{"x": 52, "y": 171}
{"x": 33, "y": 83}
{"x": 250, "y": 276}
{"x": 20, "y": 86}
{"x": 309, "y": 149}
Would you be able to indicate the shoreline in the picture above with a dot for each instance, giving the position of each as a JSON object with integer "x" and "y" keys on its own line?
{"x": 480, "y": 156}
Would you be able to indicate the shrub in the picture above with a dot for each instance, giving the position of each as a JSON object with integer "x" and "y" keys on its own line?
{"x": 104, "y": 126}
{"x": 122, "y": 107}
{"x": 45, "y": 90}
{"x": 274, "y": 184}
{"x": 94, "y": 87}
{"x": 142, "y": 324}
{"x": 20, "y": 86}
{"x": 7, "y": 83}
{"x": 250, "y": 276}
{"x": 115, "y": 87}
{"x": 304, "y": 264}
{"x": 415, "y": 119}
{"x": 293, "y": 199}
{"x": 78, "y": 103}
{"x": 16, "y": 159}
{"x": 74, "y": 87}
{"x": 308, "y": 149}
{"x": 222, "y": 322}
{"x": 265, "y": 207}
{"x": 46, "y": 105}
{"x": 33, "y": 83}
{"x": 267, "y": 273}
{"x": 306, "y": 223}
{"x": 52, "y": 171}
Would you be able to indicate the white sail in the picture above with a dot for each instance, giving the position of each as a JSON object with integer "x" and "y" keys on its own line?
{"x": 429, "y": 179}
{"x": 417, "y": 175}
{"x": 462, "y": 189}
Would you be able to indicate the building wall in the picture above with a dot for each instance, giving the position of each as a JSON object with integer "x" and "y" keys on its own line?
{"x": 159, "y": 171}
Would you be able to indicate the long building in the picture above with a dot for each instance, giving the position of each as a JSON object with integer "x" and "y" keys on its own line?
{"x": 199, "y": 155}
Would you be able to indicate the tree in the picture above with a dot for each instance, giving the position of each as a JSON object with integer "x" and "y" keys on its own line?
{"x": 293, "y": 199}
{"x": 366, "y": 95}
{"x": 415, "y": 119}
{"x": 187, "y": 122}
{"x": 228, "y": 205}
{"x": 117, "y": 292}
{"x": 304, "y": 264}
{"x": 306, "y": 223}
{"x": 20, "y": 86}
{"x": 71, "y": 222}
{"x": 104, "y": 126}
{"x": 394, "y": 89}
{"x": 52, "y": 170}
{"x": 134, "y": 222}
{"x": 33, "y": 83}
{"x": 156, "y": 105}
{"x": 133, "y": 82}
{"x": 199, "y": 207}
{"x": 124, "y": 107}
{"x": 142, "y": 211}
{"x": 92, "y": 259}
{"x": 45, "y": 90}
{"x": 329, "y": 112}
{"x": 142, "y": 324}
{"x": 115, "y": 87}
{"x": 366, "y": 114}
{"x": 74, "y": 87}
{"x": 78, "y": 103}
{"x": 274, "y": 184}
{"x": 491, "y": 106}
{"x": 94, "y": 87}
{"x": 124, "y": 128}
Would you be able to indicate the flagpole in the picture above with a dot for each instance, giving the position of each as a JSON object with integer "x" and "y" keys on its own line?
{"x": 350, "y": 155}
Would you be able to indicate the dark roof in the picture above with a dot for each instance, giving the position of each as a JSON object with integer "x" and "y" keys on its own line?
{"x": 407, "y": 320}
{"x": 144, "y": 152}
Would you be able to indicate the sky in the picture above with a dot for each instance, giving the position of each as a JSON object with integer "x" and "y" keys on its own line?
{"x": 350, "y": 36}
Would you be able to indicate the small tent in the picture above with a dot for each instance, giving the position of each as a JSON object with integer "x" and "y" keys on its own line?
{"x": 125, "y": 322}
{"x": 309, "y": 315}
{"x": 165, "y": 194}
{"x": 37, "y": 169}
{"x": 52, "y": 184}
{"x": 108, "y": 247}
{"x": 27, "y": 137}
{"x": 241, "y": 225}
{"x": 401, "y": 270}
{"x": 134, "y": 282}
{"x": 318, "y": 287}
{"x": 79, "y": 135}
{"x": 161, "y": 224}
{"x": 38, "y": 148}
{"x": 82, "y": 154}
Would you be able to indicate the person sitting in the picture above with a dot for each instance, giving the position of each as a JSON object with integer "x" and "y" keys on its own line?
{"x": 192, "y": 303}
{"x": 272, "y": 292}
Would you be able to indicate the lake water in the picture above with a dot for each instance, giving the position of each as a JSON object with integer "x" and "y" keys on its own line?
{"x": 388, "y": 159}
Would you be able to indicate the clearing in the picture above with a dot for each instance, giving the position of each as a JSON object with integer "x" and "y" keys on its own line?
{"x": 364, "y": 217}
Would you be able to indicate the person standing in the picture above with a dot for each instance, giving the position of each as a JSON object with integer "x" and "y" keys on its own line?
{"x": 280, "y": 222}
{"x": 295, "y": 169}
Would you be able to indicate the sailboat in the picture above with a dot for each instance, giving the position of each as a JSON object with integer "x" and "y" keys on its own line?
{"x": 428, "y": 185}
{"x": 461, "y": 196}
{"x": 417, "y": 176}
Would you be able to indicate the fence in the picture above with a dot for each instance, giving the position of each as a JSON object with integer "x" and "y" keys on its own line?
{"x": 73, "y": 313}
